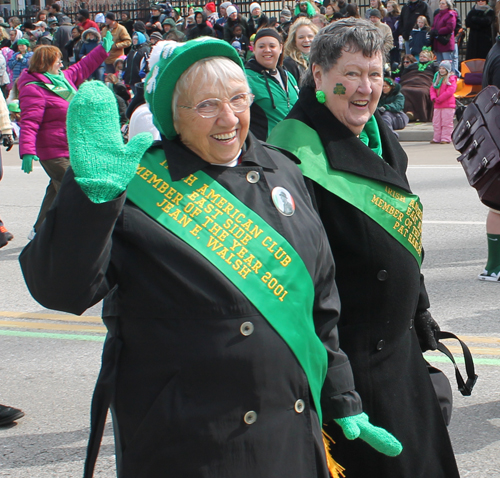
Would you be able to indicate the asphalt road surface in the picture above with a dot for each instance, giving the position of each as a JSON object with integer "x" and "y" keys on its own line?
{"x": 49, "y": 361}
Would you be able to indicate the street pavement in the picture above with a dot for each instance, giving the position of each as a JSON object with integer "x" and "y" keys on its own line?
{"x": 50, "y": 360}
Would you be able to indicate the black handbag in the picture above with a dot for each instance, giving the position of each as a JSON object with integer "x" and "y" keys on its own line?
{"x": 443, "y": 391}
{"x": 440, "y": 381}
{"x": 444, "y": 39}
{"x": 477, "y": 137}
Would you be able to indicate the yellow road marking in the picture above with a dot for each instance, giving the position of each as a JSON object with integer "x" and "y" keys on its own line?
{"x": 476, "y": 350}
{"x": 468, "y": 339}
{"x": 44, "y": 326}
{"x": 67, "y": 318}
{"x": 478, "y": 340}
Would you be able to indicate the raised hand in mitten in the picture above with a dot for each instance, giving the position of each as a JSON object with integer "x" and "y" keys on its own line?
{"x": 426, "y": 328}
{"x": 102, "y": 163}
{"x": 108, "y": 42}
{"x": 359, "y": 426}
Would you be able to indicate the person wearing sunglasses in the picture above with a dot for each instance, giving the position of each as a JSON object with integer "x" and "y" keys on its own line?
{"x": 222, "y": 357}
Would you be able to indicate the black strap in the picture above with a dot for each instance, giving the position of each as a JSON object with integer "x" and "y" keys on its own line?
{"x": 465, "y": 388}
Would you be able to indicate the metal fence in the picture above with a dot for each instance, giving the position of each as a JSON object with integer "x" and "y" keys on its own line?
{"x": 136, "y": 10}
{"x": 140, "y": 9}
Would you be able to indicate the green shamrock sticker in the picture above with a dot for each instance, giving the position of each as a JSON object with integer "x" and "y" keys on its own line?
{"x": 339, "y": 89}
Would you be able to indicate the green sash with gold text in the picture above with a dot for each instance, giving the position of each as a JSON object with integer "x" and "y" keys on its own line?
{"x": 395, "y": 210}
{"x": 244, "y": 247}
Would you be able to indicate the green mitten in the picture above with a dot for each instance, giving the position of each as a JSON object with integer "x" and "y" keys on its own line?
{"x": 378, "y": 438}
{"x": 107, "y": 42}
{"x": 102, "y": 163}
{"x": 27, "y": 165}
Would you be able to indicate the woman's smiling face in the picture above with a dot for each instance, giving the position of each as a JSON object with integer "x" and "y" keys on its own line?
{"x": 218, "y": 139}
{"x": 352, "y": 88}
{"x": 267, "y": 51}
{"x": 303, "y": 39}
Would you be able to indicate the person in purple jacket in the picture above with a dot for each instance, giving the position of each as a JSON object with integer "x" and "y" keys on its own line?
{"x": 44, "y": 95}
{"x": 442, "y": 33}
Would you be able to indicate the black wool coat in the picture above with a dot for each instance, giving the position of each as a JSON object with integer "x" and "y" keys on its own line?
{"x": 381, "y": 288}
{"x": 179, "y": 371}
{"x": 481, "y": 33}
{"x": 491, "y": 72}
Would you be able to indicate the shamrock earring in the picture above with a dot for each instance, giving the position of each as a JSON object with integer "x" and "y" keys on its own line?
{"x": 320, "y": 96}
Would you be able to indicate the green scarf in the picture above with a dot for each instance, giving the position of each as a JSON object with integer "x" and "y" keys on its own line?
{"x": 63, "y": 87}
{"x": 371, "y": 136}
{"x": 423, "y": 66}
{"x": 437, "y": 84}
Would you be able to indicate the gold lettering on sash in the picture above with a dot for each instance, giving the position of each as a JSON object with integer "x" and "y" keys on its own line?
{"x": 407, "y": 222}
{"x": 190, "y": 180}
{"x": 395, "y": 194}
{"x": 229, "y": 232}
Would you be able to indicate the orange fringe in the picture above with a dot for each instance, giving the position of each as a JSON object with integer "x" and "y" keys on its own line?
{"x": 334, "y": 468}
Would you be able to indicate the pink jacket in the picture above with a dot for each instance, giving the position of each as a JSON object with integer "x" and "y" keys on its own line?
{"x": 444, "y": 98}
{"x": 43, "y": 113}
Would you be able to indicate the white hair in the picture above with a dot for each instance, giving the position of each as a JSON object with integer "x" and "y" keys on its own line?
{"x": 216, "y": 70}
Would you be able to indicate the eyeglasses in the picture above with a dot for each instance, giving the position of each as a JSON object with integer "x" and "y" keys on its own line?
{"x": 213, "y": 106}
{"x": 405, "y": 62}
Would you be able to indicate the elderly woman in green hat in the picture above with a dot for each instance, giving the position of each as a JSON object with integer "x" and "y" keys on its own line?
{"x": 222, "y": 355}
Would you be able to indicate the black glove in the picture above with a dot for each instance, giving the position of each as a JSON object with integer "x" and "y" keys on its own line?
{"x": 8, "y": 141}
{"x": 426, "y": 328}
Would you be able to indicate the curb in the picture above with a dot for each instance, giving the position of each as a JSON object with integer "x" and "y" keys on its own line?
{"x": 416, "y": 132}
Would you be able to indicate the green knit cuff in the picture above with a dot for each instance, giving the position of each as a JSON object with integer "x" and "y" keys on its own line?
{"x": 100, "y": 190}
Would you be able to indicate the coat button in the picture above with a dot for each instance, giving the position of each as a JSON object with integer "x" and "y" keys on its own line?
{"x": 300, "y": 405}
{"x": 253, "y": 177}
{"x": 380, "y": 345}
{"x": 247, "y": 328}
{"x": 382, "y": 275}
{"x": 250, "y": 417}
{"x": 411, "y": 324}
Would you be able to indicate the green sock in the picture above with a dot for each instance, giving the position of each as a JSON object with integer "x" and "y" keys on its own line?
{"x": 493, "y": 264}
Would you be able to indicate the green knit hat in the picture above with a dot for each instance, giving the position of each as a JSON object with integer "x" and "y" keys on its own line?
{"x": 14, "y": 106}
{"x": 175, "y": 59}
{"x": 23, "y": 41}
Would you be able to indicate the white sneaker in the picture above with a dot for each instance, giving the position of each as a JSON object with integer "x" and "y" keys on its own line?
{"x": 32, "y": 234}
{"x": 489, "y": 277}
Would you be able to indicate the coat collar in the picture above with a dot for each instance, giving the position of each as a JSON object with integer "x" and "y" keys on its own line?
{"x": 345, "y": 151}
{"x": 182, "y": 161}
{"x": 254, "y": 65}
{"x": 28, "y": 77}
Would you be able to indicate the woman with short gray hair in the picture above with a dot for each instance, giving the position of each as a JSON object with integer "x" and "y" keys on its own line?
{"x": 356, "y": 171}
